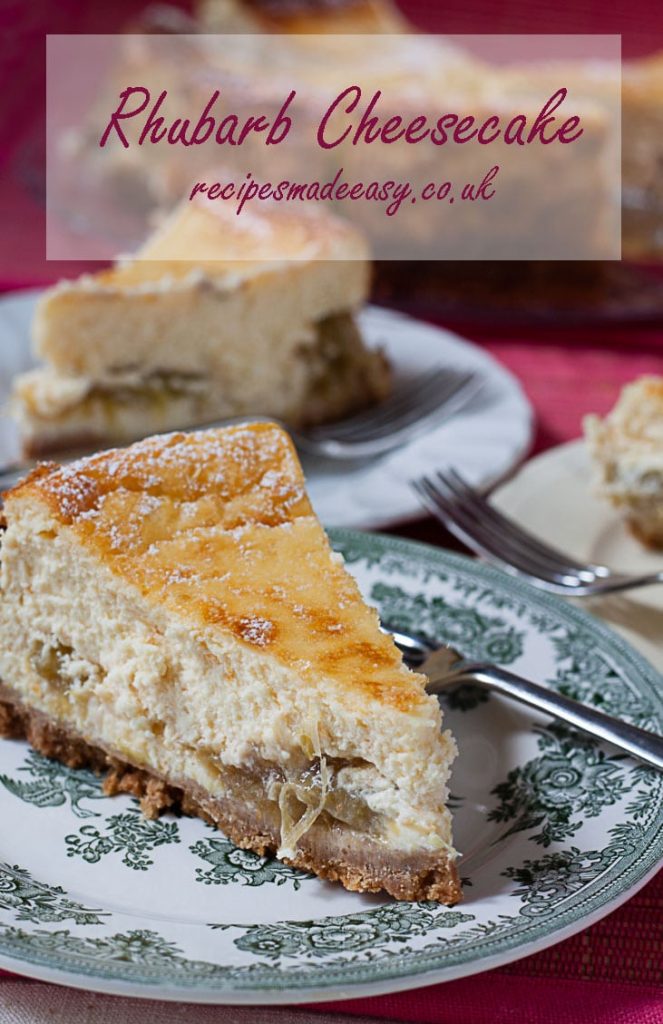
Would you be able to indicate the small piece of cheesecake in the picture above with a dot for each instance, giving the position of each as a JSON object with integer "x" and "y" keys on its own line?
{"x": 173, "y": 612}
{"x": 627, "y": 449}
{"x": 217, "y": 316}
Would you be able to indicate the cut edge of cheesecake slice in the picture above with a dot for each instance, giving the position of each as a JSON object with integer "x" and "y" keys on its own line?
{"x": 215, "y": 317}
{"x": 173, "y": 612}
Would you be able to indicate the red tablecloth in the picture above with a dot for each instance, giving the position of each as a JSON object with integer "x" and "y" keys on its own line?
{"x": 613, "y": 972}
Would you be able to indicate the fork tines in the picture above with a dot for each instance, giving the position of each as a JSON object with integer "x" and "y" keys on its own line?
{"x": 479, "y": 525}
{"x": 437, "y": 392}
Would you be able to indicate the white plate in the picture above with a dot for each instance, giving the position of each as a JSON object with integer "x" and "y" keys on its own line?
{"x": 555, "y": 830}
{"x": 486, "y": 441}
{"x": 552, "y": 496}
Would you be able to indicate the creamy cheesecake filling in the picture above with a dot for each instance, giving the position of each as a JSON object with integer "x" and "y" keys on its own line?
{"x": 298, "y": 794}
{"x": 330, "y": 792}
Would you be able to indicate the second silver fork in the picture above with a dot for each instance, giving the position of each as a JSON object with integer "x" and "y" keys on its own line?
{"x": 467, "y": 514}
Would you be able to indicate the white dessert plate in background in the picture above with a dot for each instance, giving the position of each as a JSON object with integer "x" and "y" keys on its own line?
{"x": 555, "y": 831}
{"x": 552, "y": 496}
{"x": 486, "y": 442}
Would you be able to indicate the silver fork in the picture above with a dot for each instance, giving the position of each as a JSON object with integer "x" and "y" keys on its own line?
{"x": 446, "y": 669}
{"x": 497, "y": 539}
{"x": 426, "y": 400}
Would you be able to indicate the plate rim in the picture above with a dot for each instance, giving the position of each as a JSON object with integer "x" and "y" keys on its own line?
{"x": 299, "y": 997}
{"x": 393, "y": 977}
{"x": 551, "y": 454}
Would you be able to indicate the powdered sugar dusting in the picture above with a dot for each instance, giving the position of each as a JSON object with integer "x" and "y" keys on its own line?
{"x": 256, "y": 631}
{"x": 255, "y": 461}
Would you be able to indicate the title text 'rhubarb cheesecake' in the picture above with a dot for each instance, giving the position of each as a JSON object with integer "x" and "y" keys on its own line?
{"x": 216, "y": 316}
{"x": 173, "y": 612}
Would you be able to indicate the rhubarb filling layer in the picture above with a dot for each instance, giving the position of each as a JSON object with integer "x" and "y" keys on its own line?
{"x": 341, "y": 843}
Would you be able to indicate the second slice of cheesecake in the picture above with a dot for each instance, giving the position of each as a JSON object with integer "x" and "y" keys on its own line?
{"x": 217, "y": 316}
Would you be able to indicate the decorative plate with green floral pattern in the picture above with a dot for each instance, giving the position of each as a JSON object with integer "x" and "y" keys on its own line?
{"x": 555, "y": 830}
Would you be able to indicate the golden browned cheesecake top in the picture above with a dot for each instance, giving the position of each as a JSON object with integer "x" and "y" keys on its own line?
{"x": 217, "y": 527}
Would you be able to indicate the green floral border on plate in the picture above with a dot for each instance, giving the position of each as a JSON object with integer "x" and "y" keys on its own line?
{"x": 376, "y": 940}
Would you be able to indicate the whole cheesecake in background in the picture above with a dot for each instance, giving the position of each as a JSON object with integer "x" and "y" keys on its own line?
{"x": 627, "y": 449}
{"x": 340, "y": 17}
{"x": 259, "y": 321}
{"x": 173, "y": 612}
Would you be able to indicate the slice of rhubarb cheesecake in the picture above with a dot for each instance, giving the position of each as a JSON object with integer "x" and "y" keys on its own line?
{"x": 215, "y": 317}
{"x": 173, "y": 613}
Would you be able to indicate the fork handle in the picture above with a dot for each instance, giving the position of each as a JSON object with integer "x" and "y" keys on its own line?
{"x": 639, "y": 743}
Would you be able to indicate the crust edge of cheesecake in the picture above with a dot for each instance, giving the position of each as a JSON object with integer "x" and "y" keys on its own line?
{"x": 419, "y": 876}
